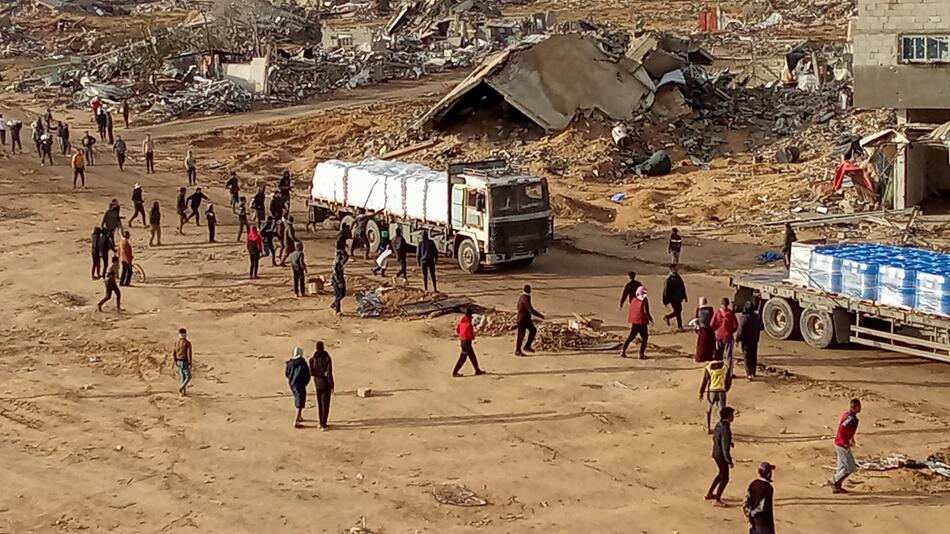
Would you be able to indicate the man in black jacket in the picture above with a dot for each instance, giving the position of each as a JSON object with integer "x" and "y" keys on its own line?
{"x": 195, "y": 202}
{"x": 525, "y": 322}
{"x": 321, "y": 368}
{"x": 400, "y": 248}
{"x": 139, "y": 202}
{"x": 106, "y": 247}
{"x": 257, "y": 204}
{"x": 182, "y": 208}
{"x": 427, "y": 254}
{"x": 758, "y": 502}
{"x": 674, "y": 295}
{"x": 750, "y": 328}
{"x": 722, "y": 454}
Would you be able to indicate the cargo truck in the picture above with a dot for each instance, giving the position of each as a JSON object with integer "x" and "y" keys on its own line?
{"x": 866, "y": 301}
{"x": 481, "y": 213}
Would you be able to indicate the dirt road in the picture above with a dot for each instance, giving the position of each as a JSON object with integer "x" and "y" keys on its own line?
{"x": 95, "y": 439}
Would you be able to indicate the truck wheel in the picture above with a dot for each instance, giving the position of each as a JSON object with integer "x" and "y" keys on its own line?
{"x": 780, "y": 318}
{"x": 818, "y": 328}
{"x": 468, "y": 256}
{"x": 373, "y": 236}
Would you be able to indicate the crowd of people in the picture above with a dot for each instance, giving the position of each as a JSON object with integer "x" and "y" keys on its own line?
{"x": 272, "y": 233}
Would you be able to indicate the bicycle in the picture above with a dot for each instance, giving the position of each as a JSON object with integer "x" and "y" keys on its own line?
{"x": 138, "y": 274}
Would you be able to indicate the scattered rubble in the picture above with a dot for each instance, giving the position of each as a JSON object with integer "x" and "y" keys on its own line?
{"x": 457, "y": 495}
{"x": 553, "y": 336}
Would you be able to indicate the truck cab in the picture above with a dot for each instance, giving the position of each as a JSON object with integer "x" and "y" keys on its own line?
{"x": 498, "y": 214}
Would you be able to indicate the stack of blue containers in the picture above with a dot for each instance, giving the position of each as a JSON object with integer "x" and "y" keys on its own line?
{"x": 896, "y": 276}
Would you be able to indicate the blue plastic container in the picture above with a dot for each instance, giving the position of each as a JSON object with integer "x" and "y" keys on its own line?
{"x": 859, "y": 279}
{"x": 825, "y": 271}
{"x": 897, "y": 286}
{"x": 933, "y": 292}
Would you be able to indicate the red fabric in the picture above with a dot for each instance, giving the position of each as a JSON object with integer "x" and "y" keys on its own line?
{"x": 845, "y": 434}
{"x": 858, "y": 176}
{"x": 636, "y": 314}
{"x": 125, "y": 250}
{"x": 465, "y": 329}
{"x": 725, "y": 324}
{"x": 254, "y": 239}
{"x": 95, "y": 106}
{"x": 705, "y": 344}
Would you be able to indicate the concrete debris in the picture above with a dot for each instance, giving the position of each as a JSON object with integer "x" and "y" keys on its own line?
{"x": 432, "y": 16}
{"x": 208, "y": 96}
{"x": 457, "y": 495}
{"x": 580, "y": 333}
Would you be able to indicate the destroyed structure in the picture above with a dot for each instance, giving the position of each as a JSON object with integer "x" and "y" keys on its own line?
{"x": 903, "y": 63}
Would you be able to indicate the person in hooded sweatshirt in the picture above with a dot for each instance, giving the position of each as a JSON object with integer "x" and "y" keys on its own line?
{"x": 705, "y": 333}
{"x": 321, "y": 368}
{"x": 298, "y": 376}
{"x": 466, "y": 333}
{"x": 674, "y": 295}
{"x": 750, "y": 328}
{"x": 758, "y": 502}
{"x": 427, "y": 255}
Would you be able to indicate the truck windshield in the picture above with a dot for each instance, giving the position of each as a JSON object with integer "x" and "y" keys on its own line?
{"x": 520, "y": 198}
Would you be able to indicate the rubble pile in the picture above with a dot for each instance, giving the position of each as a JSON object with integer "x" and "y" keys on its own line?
{"x": 204, "y": 96}
{"x": 422, "y": 16}
{"x": 552, "y": 336}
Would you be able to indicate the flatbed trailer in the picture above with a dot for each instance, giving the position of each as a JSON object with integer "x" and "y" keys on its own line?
{"x": 824, "y": 319}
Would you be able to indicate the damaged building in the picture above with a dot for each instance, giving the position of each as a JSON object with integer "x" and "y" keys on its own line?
{"x": 530, "y": 79}
{"x": 902, "y": 61}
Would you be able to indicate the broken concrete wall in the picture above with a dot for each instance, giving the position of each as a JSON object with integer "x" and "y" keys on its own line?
{"x": 250, "y": 76}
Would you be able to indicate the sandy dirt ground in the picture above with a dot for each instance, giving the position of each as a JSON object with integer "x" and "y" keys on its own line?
{"x": 95, "y": 439}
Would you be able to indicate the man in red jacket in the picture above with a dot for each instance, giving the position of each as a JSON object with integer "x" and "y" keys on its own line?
{"x": 844, "y": 442}
{"x": 725, "y": 324}
{"x": 466, "y": 332}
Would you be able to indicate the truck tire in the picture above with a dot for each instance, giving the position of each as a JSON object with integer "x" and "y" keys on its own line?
{"x": 780, "y": 318}
{"x": 373, "y": 236}
{"x": 468, "y": 256}
{"x": 818, "y": 328}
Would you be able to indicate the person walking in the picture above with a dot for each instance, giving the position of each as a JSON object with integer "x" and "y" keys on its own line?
{"x": 267, "y": 234}
{"x": 716, "y": 383}
{"x": 629, "y": 289}
{"x": 705, "y": 333}
{"x": 109, "y": 128}
{"x": 321, "y": 369}
{"x": 257, "y": 204}
{"x": 758, "y": 503}
{"x": 298, "y": 265}
{"x": 148, "y": 147}
{"x": 125, "y": 256}
{"x": 790, "y": 239}
{"x": 383, "y": 252}
{"x": 639, "y": 317}
{"x": 254, "y": 250}
{"x": 212, "y": 221}
{"x": 234, "y": 191}
{"x": 87, "y": 143}
{"x": 289, "y": 241}
{"x": 16, "y": 127}
{"x": 181, "y": 207}
{"x": 191, "y": 168}
{"x": 466, "y": 333}
{"x": 138, "y": 202}
{"x": 674, "y": 295}
{"x": 112, "y": 218}
{"x": 101, "y": 124}
{"x": 360, "y": 239}
{"x": 400, "y": 249}
{"x": 298, "y": 376}
{"x": 106, "y": 250}
{"x": 427, "y": 255}
{"x": 96, "y": 265}
{"x": 725, "y": 324}
{"x": 62, "y": 132}
{"x": 844, "y": 442}
{"x": 338, "y": 281}
{"x": 46, "y": 149}
{"x": 3, "y": 132}
{"x": 112, "y": 287}
{"x": 243, "y": 223}
{"x": 155, "y": 225}
{"x": 182, "y": 355}
{"x": 125, "y": 113}
{"x": 120, "y": 149}
{"x": 747, "y": 335}
{"x": 195, "y": 202}
{"x": 525, "y": 323}
{"x": 722, "y": 454}
{"x": 36, "y": 134}
{"x": 277, "y": 206}
{"x": 284, "y": 186}
{"x": 342, "y": 237}
{"x": 79, "y": 169}
{"x": 675, "y": 246}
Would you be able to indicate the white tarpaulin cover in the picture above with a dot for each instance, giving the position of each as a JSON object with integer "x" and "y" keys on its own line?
{"x": 397, "y": 188}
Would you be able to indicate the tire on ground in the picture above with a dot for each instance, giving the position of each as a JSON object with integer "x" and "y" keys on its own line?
{"x": 468, "y": 256}
{"x": 781, "y": 318}
{"x": 818, "y": 328}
